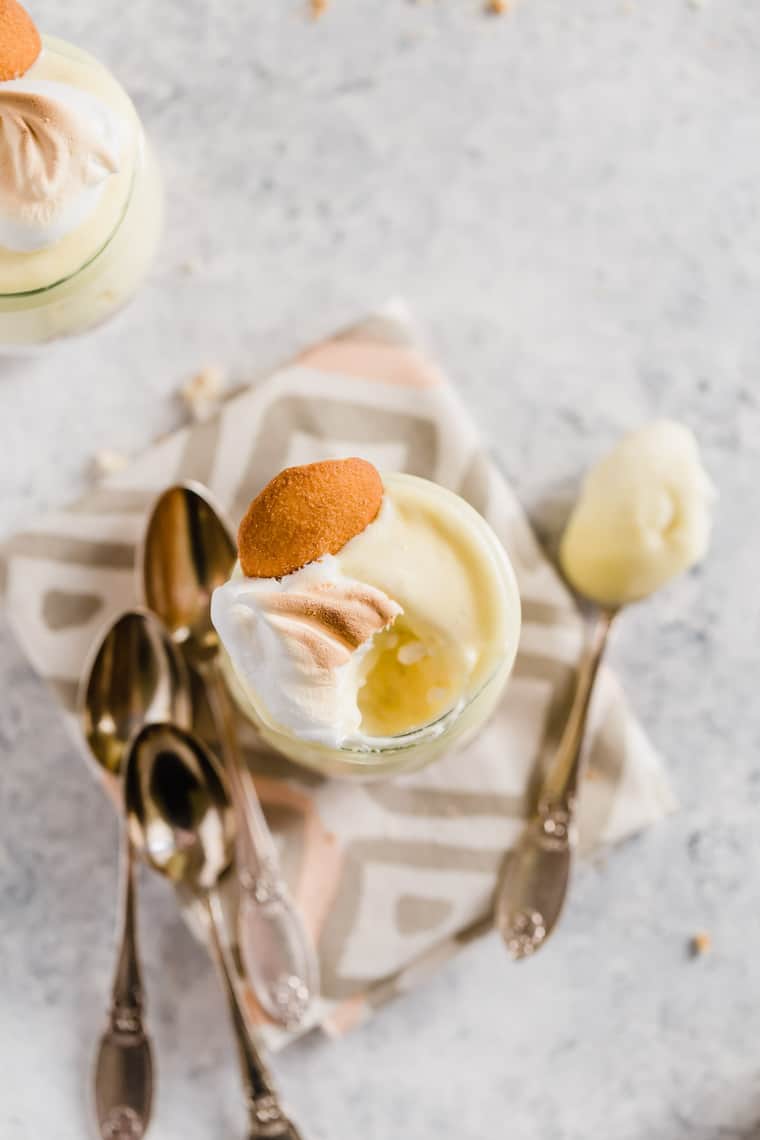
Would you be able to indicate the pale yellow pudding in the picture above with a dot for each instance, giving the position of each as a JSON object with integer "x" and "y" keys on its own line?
{"x": 643, "y": 517}
{"x": 80, "y": 198}
{"x": 379, "y": 656}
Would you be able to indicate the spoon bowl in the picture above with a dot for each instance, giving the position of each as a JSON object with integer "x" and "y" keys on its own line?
{"x": 136, "y": 676}
{"x": 188, "y": 551}
{"x": 178, "y": 809}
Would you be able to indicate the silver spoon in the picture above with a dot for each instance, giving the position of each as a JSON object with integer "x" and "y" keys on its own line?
{"x": 188, "y": 552}
{"x": 136, "y": 676}
{"x": 533, "y": 885}
{"x": 180, "y": 817}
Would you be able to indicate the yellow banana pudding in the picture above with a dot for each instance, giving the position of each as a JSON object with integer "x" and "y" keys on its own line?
{"x": 643, "y": 516}
{"x": 370, "y": 622}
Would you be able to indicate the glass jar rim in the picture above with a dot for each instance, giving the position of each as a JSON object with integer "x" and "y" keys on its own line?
{"x": 41, "y": 290}
{"x": 369, "y": 758}
{"x": 403, "y": 741}
{"x": 64, "y": 48}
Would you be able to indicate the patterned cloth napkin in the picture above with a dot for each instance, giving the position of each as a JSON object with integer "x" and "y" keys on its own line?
{"x": 393, "y": 877}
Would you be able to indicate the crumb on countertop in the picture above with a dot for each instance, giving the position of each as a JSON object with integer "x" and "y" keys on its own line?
{"x": 106, "y": 461}
{"x": 701, "y": 943}
{"x": 203, "y": 392}
{"x": 497, "y": 7}
{"x": 318, "y": 8}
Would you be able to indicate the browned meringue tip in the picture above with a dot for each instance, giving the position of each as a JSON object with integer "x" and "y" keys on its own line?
{"x": 305, "y": 513}
{"x": 20, "y": 42}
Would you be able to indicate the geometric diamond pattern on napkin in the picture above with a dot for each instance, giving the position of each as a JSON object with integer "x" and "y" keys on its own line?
{"x": 397, "y": 876}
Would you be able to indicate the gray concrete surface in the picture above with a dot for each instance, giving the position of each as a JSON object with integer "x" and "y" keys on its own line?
{"x": 568, "y": 197}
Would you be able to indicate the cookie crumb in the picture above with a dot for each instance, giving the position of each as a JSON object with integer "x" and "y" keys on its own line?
{"x": 701, "y": 944}
{"x": 497, "y": 7}
{"x": 318, "y": 8}
{"x": 203, "y": 393}
{"x": 107, "y": 462}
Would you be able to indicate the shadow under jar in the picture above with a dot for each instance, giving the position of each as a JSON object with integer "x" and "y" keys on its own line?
{"x": 87, "y": 274}
{"x": 497, "y": 602}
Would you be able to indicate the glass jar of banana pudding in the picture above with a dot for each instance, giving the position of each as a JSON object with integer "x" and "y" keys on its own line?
{"x": 80, "y": 197}
{"x": 371, "y": 623}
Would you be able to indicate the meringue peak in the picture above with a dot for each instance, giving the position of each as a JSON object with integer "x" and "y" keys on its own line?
{"x": 58, "y": 146}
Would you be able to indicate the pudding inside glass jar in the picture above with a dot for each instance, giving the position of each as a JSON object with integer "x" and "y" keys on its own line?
{"x": 76, "y": 242}
{"x": 409, "y": 657}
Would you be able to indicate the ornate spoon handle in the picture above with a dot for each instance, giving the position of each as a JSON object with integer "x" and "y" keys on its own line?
{"x": 275, "y": 946}
{"x": 124, "y": 1062}
{"x": 267, "y": 1119}
{"x": 561, "y": 784}
{"x": 533, "y": 885}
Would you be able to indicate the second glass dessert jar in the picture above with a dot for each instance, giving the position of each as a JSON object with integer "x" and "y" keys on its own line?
{"x": 86, "y": 275}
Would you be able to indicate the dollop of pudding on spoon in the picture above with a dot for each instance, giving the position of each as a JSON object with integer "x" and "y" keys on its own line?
{"x": 643, "y": 517}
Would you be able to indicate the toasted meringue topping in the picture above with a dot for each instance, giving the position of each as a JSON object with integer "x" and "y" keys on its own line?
{"x": 300, "y": 641}
{"x": 58, "y": 146}
{"x": 332, "y": 619}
